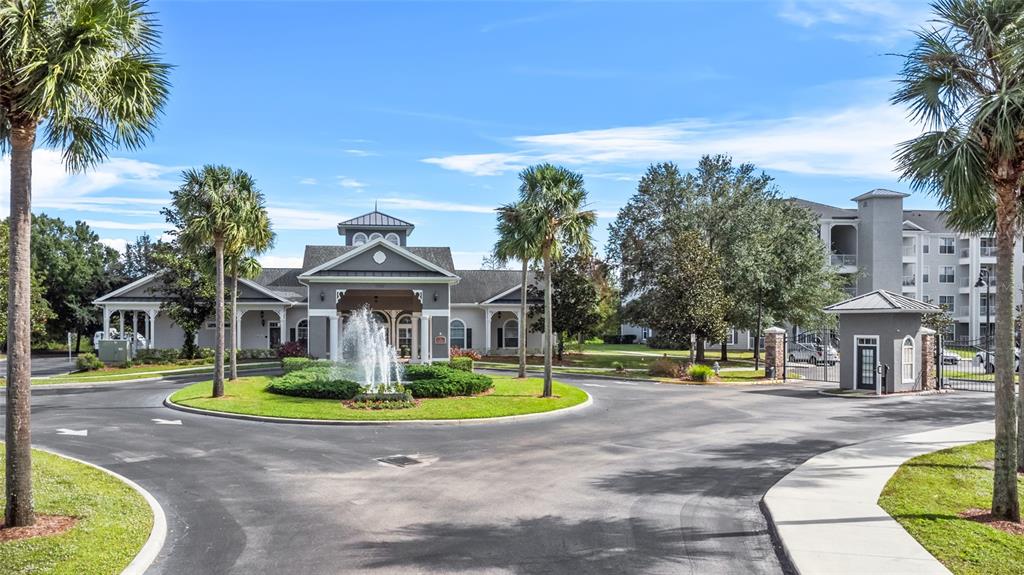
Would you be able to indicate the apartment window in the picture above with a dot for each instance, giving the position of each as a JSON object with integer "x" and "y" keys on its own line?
{"x": 925, "y": 245}
{"x": 730, "y": 338}
{"x": 946, "y": 275}
{"x": 988, "y": 247}
{"x": 302, "y": 331}
{"x": 946, "y": 302}
{"x": 908, "y": 359}
{"x": 947, "y": 245}
{"x": 925, "y": 273}
{"x": 511, "y": 334}
{"x": 926, "y": 298}
{"x": 458, "y": 333}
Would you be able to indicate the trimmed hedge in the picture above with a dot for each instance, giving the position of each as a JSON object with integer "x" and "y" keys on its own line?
{"x": 700, "y": 373}
{"x": 462, "y": 363}
{"x": 290, "y": 364}
{"x": 315, "y": 382}
{"x": 88, "y": 362}
{"x": 443, "y": 381}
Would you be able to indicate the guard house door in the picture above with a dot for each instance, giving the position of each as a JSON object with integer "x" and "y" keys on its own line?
{"x": 866, "y": 365}
{"x": 274, "y": 334}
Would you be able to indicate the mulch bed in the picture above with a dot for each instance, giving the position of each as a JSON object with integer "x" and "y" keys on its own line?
{"x": 44, "y": 526}
{"x": 985, "y": 516}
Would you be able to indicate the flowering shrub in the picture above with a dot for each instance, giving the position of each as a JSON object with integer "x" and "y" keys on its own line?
{"x": 470, "y": 353}
{"x": 291, "y": 349}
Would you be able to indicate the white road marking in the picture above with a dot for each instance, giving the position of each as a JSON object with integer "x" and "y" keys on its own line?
{"x": 166, "y": 421}
{"x": 627, "y": 383}
{"x": 80, "y": 432}
{"x": 593, "y": 385}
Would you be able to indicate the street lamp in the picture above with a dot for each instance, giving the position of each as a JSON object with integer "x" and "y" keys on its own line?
{"x": 984, "y": 279}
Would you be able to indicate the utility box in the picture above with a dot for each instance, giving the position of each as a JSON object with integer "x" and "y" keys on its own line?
{"x": 881, "y": 339}
{"x": 115, "y": 351}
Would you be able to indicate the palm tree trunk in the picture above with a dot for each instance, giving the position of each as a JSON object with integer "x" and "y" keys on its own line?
{"x": 18, "y": 510}
{"x": 218, "y": 349}
{"x": 547, "y": 323}
{"x": 1020, "y": 407}
{"x": 522, "y": 322}
{"x": 1005, "y": 504}
{"x": 234, "y": 318}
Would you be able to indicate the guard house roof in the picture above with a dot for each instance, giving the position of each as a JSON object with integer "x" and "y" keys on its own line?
{"x": 375, "y": 220}
{"x": 880, "y": 193}
{"x": 882, "y": 301}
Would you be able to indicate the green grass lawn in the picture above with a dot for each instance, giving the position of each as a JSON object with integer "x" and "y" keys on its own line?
{"x": 926, "y": 496}
{"x": 113, "y": 522}
{"x": 141, "y": 372}
{"x": 509, "y": 397}
{"x": 976, "y": 375}
{"x": 630, "y": 356}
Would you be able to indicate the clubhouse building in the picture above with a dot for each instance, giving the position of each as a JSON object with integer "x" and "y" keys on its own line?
{"x": 425, "y": 305}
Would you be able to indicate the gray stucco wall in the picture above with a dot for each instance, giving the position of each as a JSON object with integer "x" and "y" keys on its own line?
{"x": 331, "y": 288}
{"x": 890, "y": 328}
{"x": 879, "y": 244}
{"x": 439, "y": 325}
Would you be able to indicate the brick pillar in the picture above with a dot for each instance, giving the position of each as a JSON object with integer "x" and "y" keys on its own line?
{"x": 929, "y": 377}
{"x": 775, "y": 350}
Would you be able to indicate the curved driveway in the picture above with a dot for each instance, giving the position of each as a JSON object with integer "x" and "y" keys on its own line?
{"x": 650, "y": 479}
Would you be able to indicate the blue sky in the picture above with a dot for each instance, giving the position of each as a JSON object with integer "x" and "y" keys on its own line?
{"x": 430, "y": 109}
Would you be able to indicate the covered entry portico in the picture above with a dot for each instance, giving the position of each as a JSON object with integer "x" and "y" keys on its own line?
{"x": 398, "y": 311}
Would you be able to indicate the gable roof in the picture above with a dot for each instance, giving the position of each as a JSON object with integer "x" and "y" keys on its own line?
{"x": 479, "y": 286}
{"x": 316, "y": 256}
{"x": 409, "y": 253}
{"x": 375, "y": 219}
{"x": 882, "y": 301}
{"x": 824, "y": 210}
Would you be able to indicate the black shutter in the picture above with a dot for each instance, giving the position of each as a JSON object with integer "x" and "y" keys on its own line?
{"x": 469, "y": 338}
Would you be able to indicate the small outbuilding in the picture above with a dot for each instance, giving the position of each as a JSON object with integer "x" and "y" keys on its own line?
{"x": 883, "y": 346}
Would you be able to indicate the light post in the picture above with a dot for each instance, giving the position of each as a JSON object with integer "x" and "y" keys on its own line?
{"x": 984, "y": 279}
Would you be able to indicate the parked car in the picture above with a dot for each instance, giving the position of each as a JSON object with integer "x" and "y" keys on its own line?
{"x": 813, "y": 354}
{"x": 140, "y": 340}
{"x": 981, "y": 357}
{"x": 950, "y": 357}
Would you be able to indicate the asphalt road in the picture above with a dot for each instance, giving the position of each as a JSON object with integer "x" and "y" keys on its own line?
{"x": 650, "y": 479}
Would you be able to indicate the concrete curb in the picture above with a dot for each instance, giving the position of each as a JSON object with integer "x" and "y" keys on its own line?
{"x": 148, "y": 554}
{"x": 872, "y": 397}
{"x": 825, "y": 513}
{"x": 337, "y": 422}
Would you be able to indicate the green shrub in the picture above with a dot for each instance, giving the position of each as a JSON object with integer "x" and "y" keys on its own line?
{"x": 88, "y": 362}
{"x": 152, "y": 356}
{"x": 316, "y": 382}
{"x": 617, "y": 366}
{"x": 204, "y": 353}
{"x": 401, "y": 400}
{"x": 700, "y": 373}
{"x": 257, "y": 354}
{"x": 425, "y": 371}
{"x": 462, "y": 363}
{"x": 289, "y": 364}
{"x": 125, "y": 364}
{"x": 664, "y": 367}
{"x": 444, "y": 381}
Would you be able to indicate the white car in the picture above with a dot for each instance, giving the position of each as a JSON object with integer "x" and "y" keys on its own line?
{"x": 950, "y": 357}
{"x": 990, "y": 366}
{"x": 813, "y": 354}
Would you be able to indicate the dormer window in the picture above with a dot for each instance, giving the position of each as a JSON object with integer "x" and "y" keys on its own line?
{"x": 375, "y": 236}
{"x": 393, "y": 238}
{"x": 359, "y": 239}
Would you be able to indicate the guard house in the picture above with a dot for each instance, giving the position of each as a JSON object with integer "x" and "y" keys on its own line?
{"x": 882, "y": 345}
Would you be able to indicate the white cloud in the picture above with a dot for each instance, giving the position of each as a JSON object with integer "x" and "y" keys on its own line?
{"x": 281, "y": 261}
{"x": 855, "y": 142}
{"x": 360, "y": 153}
{"x": 111, "y": 225}
{"x": 876, "y": 21}
{"x": 350, "y": 183}
{"x": 119, "y": 244}
{"x": 429, "y": 205}
{"x": 283, "y": 218}
{"x": 308, "y": 181}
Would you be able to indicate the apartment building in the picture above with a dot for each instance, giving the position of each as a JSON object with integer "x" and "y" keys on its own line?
{"x": 880, "y": 245}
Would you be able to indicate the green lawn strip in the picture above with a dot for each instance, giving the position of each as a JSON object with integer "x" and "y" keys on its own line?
{"x": 114, "y": 521}
{"x": 972, "y": 375}
{"x": 606, "y": 360}
{"x": 141, "y": 372}
{"x": 929, "y": 492}
{"x": 509, "y": 397}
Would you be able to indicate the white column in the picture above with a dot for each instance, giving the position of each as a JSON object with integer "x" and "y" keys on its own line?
{"x": 106, "y": 323}
{"x": 341, "y": 338}
{"x": 152, "y": 328}
{"x": 283, "y": 314}
{"x": 236, "y": 324}
{"x": 487, "y": 331}
{"x": 120, "y": 317}
{"x": 425, "y": 339}
{"x": 135, "y": 322}
{"x": 333, "y": 335}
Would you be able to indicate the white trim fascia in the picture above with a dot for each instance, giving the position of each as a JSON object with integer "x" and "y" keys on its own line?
{"x": 129, "y": 287}
{"x": 913, "y": 225}
{"x": 140, "y": 304}
{"x": 380, "y": 280}
{"x": 262, "y": 289}
{"x": 881, "y": 311}
{"x": 473, "y": 305}
{"x": 307, "y": 275}
{"x": 503, "y": 294}
{"x": 321, "y": 313}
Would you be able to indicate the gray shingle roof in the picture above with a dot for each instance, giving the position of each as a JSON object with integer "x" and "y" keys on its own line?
{"x": 882, "y": 301}
{"x": 283, "y": 282}
{"x": 824, "y": 210}
{"x": 375, "y": 219}
{"x": 481, "y": 285}
{"x": 319, "y": 255}
{"x": 930, "y": 220}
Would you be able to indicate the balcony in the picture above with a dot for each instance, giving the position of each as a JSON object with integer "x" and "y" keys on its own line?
{"x": 909, "y": 281}
{"x": 844, "y": 260}
{"x": 909, "y": 251}
{"x": 987, "y": 251}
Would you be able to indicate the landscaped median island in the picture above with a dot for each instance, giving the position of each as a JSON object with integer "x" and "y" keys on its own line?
{"x": 942, "y": 499}
{"x": 146, "y": 371}
{"x": 320, "y": 391}
{"x": 89, "y": 522}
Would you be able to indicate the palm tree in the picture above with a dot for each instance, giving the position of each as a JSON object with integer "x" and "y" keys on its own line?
{"x": 211, "y": 206}
{"x": 86, "y": 73}
{"x": 256, "y": 238}
{"x": 964, "y": 83}
{"x": 555, "y": 220}
{"x": 514, "y": 244}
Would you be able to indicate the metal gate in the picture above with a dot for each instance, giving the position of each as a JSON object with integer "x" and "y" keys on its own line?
{"x": 813, "y": 355}
{"x": 967, "y": 365}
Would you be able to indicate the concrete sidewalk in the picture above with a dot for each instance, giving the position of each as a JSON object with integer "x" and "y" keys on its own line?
{"x": 826, "y": 511}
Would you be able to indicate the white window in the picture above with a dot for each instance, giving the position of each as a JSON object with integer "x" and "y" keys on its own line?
{"x": 405, "y": 335}
{"x": 458, "y": 333}
{"x": 946, "y": 275}
{"x": 359, "y": 239}
{"x": 510, "y": 333}
{"x": 302, "y": 331}
{"x": 925, "y": 245}
{"x": 988, "y": 247}
{"x": 213, "y": 324}
{"x": 946, "y": 302}
{"x": 393, "y": 238}
{"x": 947, "y": 245}
{"x": 925, "y": 273}
{"x": 375, "y": 236}
{"x": 730, "y": 337}
{"x": 908, "y": 359}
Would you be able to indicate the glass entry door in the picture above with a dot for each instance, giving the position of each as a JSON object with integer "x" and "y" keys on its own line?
{"x": 867, "y": 363}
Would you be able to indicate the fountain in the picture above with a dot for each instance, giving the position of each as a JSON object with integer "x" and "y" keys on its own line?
{"x": 370, "y": 359}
